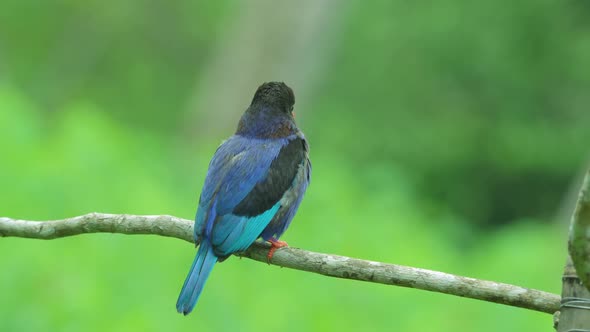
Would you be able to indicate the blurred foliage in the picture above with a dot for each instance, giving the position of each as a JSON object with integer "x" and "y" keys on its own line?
{"x": 429, "y": 120}
{"x": 484, "y": 103}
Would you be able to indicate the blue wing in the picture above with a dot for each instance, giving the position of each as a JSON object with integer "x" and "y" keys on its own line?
{"x": 237, "y": 167}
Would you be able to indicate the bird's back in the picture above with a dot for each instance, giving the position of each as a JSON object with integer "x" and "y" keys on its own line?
{"x": 248, "y": 178}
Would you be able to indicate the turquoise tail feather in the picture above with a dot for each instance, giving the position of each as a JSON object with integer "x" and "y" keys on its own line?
{"x": 193, "y": 285}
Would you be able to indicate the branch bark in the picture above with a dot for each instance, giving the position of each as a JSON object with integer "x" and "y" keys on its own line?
{"x": 299, "y": 259}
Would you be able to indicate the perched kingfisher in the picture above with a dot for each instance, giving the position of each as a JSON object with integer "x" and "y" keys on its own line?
{"x": 254, "y": 185}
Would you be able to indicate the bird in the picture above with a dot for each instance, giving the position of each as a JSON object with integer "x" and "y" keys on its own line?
{"x": 254, "y": 185}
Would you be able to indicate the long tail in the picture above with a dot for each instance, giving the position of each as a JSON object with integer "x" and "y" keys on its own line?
{"x": 193, "y": 285}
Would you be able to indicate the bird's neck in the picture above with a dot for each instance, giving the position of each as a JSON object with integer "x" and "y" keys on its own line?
{"x": 265, "y": 125}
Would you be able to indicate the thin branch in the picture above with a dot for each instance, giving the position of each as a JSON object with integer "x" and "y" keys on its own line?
{"x": 329, "y": 265}
{"x": 579, "y": 242}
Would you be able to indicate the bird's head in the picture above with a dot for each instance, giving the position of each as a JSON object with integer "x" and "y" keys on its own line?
{"x": 276, "y": 96}
{"x": 270, "y": 114}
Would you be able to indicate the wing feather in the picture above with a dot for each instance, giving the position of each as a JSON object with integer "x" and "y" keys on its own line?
{"x": 245, "y": 173}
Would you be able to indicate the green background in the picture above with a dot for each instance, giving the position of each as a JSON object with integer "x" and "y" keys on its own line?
{"x": 448, "y": 136}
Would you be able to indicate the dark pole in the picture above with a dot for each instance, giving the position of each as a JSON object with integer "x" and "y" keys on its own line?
{"x": 575, "y": 303}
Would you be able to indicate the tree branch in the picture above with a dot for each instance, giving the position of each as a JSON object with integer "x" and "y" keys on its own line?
{"x": 325, "y": 264}
{"x": 579, "y": 241}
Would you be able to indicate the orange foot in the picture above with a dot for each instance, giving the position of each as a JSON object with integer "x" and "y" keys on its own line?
{"x": 274, "y": 245}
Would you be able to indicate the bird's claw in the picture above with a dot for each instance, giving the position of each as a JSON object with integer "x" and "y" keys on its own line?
{"x": 274, "y": 245}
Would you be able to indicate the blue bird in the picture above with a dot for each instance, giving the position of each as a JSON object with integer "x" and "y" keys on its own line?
{"x": 254, "y": 185}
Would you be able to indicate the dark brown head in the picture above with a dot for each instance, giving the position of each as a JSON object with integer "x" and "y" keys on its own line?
{"x": 270, "y": 114}
{"x": 275, "y": 94}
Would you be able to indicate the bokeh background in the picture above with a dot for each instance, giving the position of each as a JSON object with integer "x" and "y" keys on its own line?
{"x": 444, "y": 135}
